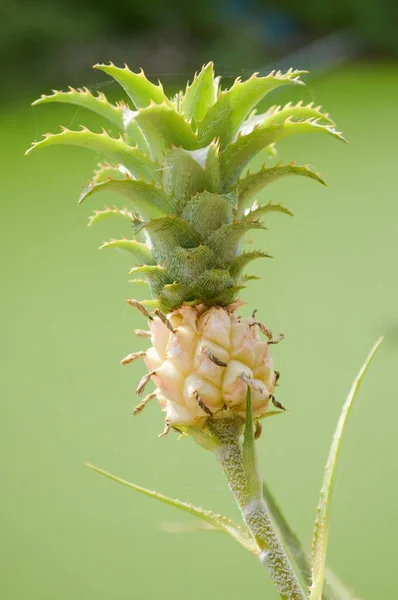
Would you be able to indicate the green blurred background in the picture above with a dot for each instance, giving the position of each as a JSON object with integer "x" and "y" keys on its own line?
{"x": 332, "y": 289}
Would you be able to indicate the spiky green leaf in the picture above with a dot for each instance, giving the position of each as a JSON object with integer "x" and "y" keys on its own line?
{"x": 200, "y": 95}
{"x": 277, "y": 115}
{"x": 140, "y": 90}
{"x": 186, "y": 264}
{"x": 114, "y": 149}
{"x": 220, "y": 522}
{"x": 237, "y": 155}
{"x": 224, "y": 118}
{"x": 168, "y": 233}
{"x": 183, "y": 175}
{"x": 207, "y": 212}
{"x": 86, "y": 99}
{"x": 107, "y": 213}
{"x": 149, "y": 200}
{"x": 140, "y": 252}
{"x": 164, "y": 128}
{"x": 212, "y": 168}
{"x": 250, "y": 185}
{"x": 259, "y": 211}
{"x": 156, "y": 276}
{"x": 133, "y": 133}
{"x": 239, "y": 263}
{"x": 213, "y": 282}
{"x": 321, "y": 529}
{"x": 225, "y": 241}
{"x": 107, "y": 171}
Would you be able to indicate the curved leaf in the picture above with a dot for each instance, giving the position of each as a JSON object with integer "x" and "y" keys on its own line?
{"x": 115, "y": 149}
{"x": 206, "y": 212}
{"x": 236, "y": 156}
{"x": 141, "y": 252}
{"x": 106, "y": 213}
{"x": 149, "y": 200}
{"x": 320, "y": 535}
{"x": 225, "y": 241}
{"x": 132, "y": 131}
{"x": 220, "y": 522}
{"x": 239, "y": 263}
{"x": 262, "y": 209}
{"x": 213, "y": 177}
{"x": 251, "y": 184}
{"x": 141, "y": 91}
{"x": 106, "y": 171}
{"x": 163, "y": 128}
{"x": 83, "y": 97}
{"x": 186, "y": 264}
{"x": 167, "y": 233}
{"x": 277, "y": 115}
{"x": 183, "y": 176}
{"x": 224, "y": 118}
{"x": 200, "y": 95}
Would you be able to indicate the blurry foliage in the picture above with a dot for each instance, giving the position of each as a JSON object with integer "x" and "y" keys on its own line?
{"x": 373, "y": 21}
{"x": 45, "y": 40}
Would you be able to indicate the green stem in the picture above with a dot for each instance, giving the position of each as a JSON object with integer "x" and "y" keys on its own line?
{"x": 248, "y": 495}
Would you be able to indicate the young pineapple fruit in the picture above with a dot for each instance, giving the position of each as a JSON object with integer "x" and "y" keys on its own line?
{"x": 182, "y": 164}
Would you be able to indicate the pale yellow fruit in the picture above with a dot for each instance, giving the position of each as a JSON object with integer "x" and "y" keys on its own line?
{"x": 204, "y": 366}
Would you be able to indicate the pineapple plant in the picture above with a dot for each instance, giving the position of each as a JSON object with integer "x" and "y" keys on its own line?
{"x": 182, "y": 164}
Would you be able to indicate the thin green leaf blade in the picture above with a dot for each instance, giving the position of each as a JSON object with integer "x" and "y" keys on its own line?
{"x": 277, "y": 115}
{"x": 85, "y": 98}
{"x": 140, "y": 90}
{"x": 141, "y": 253}
{"x": 252, "y": 184}
{"x": 110, "y": 213}
{"x": 220, "y": 522}
{"x": 149, "y": 200}
{"x": 339, "y": 589}
{"x": 115, "y": 149}
{"x": 238, "y": 154}
{"x": 320, "y": 535}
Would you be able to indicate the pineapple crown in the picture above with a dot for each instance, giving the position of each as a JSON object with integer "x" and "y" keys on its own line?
{"x": 182, "y": 164}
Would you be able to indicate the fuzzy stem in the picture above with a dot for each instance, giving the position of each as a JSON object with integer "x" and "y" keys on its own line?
{"x": 247, "y": 491}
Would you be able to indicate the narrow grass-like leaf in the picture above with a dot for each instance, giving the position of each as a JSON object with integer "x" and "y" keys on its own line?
{"x": 249, "y": 451}
{"x": 339, "y": 589}
{"x": 148, "y": 200}
{"x": 218, "y": 521}
{"x": 200, "y": 95}
{"x": 251, "y": 184}
{"x": 140, "y": 252}
{"x": 320, "y": 535}
{"x": 83, "y": 97}
{"x": 114, "y": 149}
{"x": 224, "y": 118}
{"x": 141, "y": 91}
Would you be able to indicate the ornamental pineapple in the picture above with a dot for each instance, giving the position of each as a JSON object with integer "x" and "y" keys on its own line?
{"x": 182, "y": 164}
